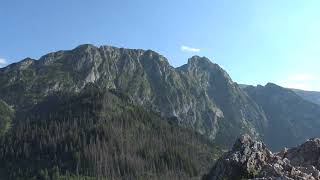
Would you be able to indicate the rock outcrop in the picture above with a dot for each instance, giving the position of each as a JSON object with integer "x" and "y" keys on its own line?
{"x": 251, "y": 159}
{"x": 6, "y": 116}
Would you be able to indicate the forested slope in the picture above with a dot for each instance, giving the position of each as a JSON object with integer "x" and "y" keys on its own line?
{"x": 99, "y": 133}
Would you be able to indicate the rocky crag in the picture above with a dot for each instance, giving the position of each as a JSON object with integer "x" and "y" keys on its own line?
{"x": 250, "y": 159}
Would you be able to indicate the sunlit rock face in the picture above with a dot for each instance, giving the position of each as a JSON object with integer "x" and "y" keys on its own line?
{"x": 6, "y": 116}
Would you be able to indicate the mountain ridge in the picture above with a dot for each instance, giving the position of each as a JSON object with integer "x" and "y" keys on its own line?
{"x": 291, "y": 118}
{"x": 199, "y": 94}
{"x": 312, "y": 96}
{"x": 203, "y": 102}
{"x": 107, "y": 95}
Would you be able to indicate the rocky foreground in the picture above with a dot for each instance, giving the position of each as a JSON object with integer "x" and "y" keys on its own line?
{"x": 250, "y": 159}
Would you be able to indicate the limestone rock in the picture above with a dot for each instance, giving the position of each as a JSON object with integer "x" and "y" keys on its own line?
{"x": 250, "y": 159}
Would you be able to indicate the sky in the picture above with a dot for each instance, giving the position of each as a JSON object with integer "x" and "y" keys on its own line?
{"x": 254, "y": 41}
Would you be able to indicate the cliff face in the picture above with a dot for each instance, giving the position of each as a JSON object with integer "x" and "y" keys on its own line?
{"x": 251, "y": 159}
{"x": 199, "y": 94}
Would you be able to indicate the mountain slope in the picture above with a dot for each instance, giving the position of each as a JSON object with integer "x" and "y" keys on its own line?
{"x": 311, "y": 96}
{"x": 101, "y": 134}
{"x": 199, "y": 95}
{"x": 241, "y": 114}
{"x": 291, "y": 119}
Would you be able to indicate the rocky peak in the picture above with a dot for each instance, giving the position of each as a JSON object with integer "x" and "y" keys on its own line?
{"x": 111, "y": 53}
{"x": 154, "y": 57}
{"x": 199, "y": 61}
{"x": 27, "y": 61}
{"x": 51, "y": 58}
{"x": 202, "y": 67}
{"x": 246, "y": 141}
{"x": 85, "y": 47}
{"x": 23, "y": 64}
{"x": 272, "y": 85}
{"x": 274, "y": 88}
{"x": 250, "y": 159}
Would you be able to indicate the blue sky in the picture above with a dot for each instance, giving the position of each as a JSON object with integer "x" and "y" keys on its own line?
{"x": 255, "y": 41}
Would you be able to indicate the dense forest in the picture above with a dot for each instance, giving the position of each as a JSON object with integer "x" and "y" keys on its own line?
{"x": 99, "y": 134}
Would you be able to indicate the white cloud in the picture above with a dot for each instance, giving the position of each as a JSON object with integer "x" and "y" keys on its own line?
{"x": 2, "y": 61}
{"x": 301, "y": 77}
{"x": 189, "y": 49}
{"x": 302, "y": 81}
{"x": 296, "y": 85}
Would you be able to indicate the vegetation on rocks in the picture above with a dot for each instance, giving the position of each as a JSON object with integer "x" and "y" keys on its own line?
{"x": 6, "y": 116}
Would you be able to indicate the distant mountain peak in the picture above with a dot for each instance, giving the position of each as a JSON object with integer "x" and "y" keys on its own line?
{"x": 23, "y": 64}
{"x": 272, "y": 85}
{"x": 85, "y": 46}
{"x": 197, "y": 60}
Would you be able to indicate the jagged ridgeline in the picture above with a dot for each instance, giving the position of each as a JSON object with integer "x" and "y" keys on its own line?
{"x": 100, "y": 133}
{"x": 200, "y": 94}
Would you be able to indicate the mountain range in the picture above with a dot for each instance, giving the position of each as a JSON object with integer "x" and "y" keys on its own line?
{"x": 199, "y": 94}
{"x": 171, "y": 121}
